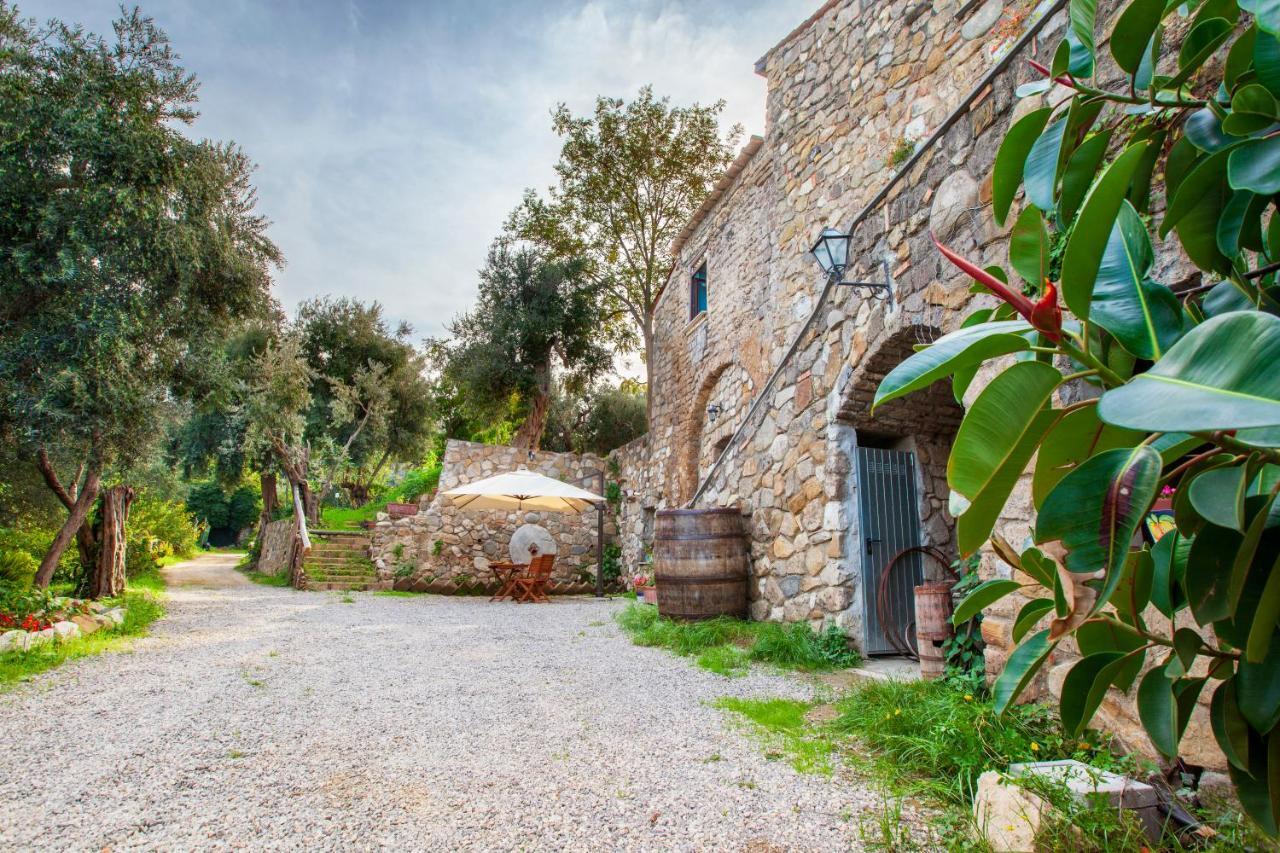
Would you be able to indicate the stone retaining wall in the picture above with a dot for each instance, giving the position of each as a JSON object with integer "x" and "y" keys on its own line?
{"x": 277, "y": 537}
{"x": 451, "y": 548}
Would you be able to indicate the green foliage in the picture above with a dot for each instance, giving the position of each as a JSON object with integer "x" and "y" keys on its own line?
{"x": 531, "y": 312}
{"x": 939, "y": 740}
{"x": 725, "y": 645}
{"x": 17, "y": 568}
{"x": 422, "y": 480}
{"x": 611, "y": 564}
{"x": 143, "y": 605}
{"x": 209, "y": 502}
{"x": 901, "y": 153}
{"x": 629, "y": 177}
{"x": 125, "y": 244}
{"x": 157, "y": 529}
{"x": 1185, "y": 395}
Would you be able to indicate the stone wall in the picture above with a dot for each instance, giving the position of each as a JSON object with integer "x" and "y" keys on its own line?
{"x": 445, "y": 544}
{"x": 277, "y": 537}
{"x": 844, "y": 90}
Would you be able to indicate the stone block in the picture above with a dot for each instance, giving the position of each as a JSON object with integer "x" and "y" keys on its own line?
{"x": 1007, "y": 815}
{"x": 65, "y": 631}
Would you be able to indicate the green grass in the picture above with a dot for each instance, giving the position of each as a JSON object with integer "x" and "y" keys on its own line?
{"x": 349, "y": 518}
{"x": 925, "y": 737}
{"x": 281, "y": 579}
{"x": 144, "y": 605}
{"x": 727, "y": 646}
{"x": 397, "y": 593}
{"x": 780, "y": 724}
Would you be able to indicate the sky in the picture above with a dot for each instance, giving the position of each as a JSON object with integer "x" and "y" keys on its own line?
{"x": 393, "y": 137}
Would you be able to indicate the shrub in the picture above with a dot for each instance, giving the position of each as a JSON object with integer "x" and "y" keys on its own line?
{"x": 157, "y": 529}
{"x": 17, "y": 568}
{"x": 419, "y": 481}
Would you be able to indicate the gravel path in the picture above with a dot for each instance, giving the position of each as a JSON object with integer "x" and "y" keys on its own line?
{"x": 263, "y": 718}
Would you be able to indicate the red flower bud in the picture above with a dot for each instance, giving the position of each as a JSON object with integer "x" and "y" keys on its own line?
{"x": 1046, "y": 315}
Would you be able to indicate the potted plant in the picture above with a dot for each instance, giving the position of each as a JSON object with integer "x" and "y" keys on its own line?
{"x": 646, "y": 588}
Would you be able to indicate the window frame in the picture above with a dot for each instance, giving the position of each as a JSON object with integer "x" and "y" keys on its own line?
{"x": 699, "y": 270}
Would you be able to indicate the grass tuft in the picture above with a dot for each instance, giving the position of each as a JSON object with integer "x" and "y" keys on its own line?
{"x": 780, "y": 724}
{"x": 725, "y": 645}
{"x": 280, "y": 580}
{"x": 397, "y": 593}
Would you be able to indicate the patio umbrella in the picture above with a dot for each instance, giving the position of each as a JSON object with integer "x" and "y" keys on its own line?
{"x": 523, "y": 491}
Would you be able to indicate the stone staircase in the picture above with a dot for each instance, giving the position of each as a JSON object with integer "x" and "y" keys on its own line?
{"x": 339, "y": 559}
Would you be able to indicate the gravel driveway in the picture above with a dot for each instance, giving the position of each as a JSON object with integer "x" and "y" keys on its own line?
{"x": 256, "y": 717}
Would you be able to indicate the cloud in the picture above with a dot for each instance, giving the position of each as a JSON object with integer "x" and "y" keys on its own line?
{"x": 393, "y": 138}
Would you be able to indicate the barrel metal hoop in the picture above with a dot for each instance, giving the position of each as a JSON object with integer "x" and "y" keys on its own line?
{"x": 701, "y": 579}
{"x": 700, "y": 537}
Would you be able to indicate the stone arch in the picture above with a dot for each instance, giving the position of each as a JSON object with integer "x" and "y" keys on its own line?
{"x": 923, "y": 423}
{"x": 730, "y": 387}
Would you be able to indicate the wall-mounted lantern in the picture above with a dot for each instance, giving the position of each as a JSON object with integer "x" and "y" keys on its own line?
{"x": 832, "y": 254}
{"x": 714, "y": 411}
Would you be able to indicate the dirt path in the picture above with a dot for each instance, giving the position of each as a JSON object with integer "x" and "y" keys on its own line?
{"x": 265, "y": 718}
{"x": 215, "y": 571}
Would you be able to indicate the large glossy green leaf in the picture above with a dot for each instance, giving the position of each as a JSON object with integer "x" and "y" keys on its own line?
{"x": 995, "y": 442}
{"x": 1020, "y": 668}
{"x": 1169, "y": 566}
{"x": 1239, "y": 58}
{"x": 1258, "y": 689}
{"x": 1260, "y": 515}
{"x": 1082, "y": 165}
{"x": 1259, "y": 787}
{"x": 1133, "y": 32}
{"x": 1201, "y": 43}
{"x": 1076, "y": 437}
{"x": 1029, "y": 247}
{"x": 1208, "y": 573}
{"x": 1266, "y": 62}
{"x": 1229, "y": 726}
{"x": 1267, "y": 13}
{"x": 1206, "y": 381}
{"x": 1084, "y": 18}
{"x": 1102, "y": 635}
{"x": 1134, "y": 592}
{"x": 1143, "y": 315}
{"x": 1039, "y": 566}
{"x": 1088, "y": 239}
{"x": 1233, "y": 222}
{"x": 1255, "y": 166}
{"x": 983, "y": 596}
{"x": 1006, "y": 174}
{"x": 1218, "y": 495}
{"x": 1096, "y": 509}
{"x": 1040, "y": 173}
{"x": 1266, "y": 619}
{"x": 1085, "y": 687}
{"x": 965, "y": 347}
{"x": 1031, "y": 613}
{"x": 1207, "y": 175}
{"x": 1159, "y": 712}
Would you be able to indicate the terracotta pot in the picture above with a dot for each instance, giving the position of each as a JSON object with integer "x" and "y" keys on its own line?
{"x": 649, "y": 594}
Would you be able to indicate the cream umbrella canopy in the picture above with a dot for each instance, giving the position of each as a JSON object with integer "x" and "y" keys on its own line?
{"x": 523, "y": 491}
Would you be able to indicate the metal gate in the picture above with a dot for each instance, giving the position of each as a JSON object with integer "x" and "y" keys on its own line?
{"x": 890, "y": 522}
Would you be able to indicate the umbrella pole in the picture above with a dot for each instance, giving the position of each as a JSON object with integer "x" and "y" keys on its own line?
{"x": 600, "y": 541}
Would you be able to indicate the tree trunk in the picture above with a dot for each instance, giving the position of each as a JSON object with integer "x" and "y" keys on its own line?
{"x": 646, "y": 331}
{"x": 80, "y": 507}
{"x": 311, "y": 503}
{"x": 529, "y": 435}
{"x": 270, "y": 499}
{"x": 108, "y": 578}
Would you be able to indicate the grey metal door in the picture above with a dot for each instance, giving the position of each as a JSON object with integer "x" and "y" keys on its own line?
{"x": 890, "y": 522}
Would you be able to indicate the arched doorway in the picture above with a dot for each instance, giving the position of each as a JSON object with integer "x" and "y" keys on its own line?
{"x": 896, "y": 491}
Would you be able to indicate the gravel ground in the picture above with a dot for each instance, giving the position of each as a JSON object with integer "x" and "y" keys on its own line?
{"x": 263, "y": 718}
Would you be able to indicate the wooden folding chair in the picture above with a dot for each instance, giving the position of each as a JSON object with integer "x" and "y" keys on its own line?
{"x": 531, "y": 586}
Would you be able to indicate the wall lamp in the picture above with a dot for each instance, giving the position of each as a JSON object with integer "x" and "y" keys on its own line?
{"x": 832, "y": 254}
{"x": 714, "y": 411}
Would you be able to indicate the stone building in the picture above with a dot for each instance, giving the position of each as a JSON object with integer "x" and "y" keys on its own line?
{"x": 762, "y": 399}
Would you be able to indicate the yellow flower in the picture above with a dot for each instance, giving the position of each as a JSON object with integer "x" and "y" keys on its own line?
{"x": 1084, "y": 745}
{"x": 898, "y": 712}
{"x": 968, "y": 697}
{"x": 1035, "y": 747}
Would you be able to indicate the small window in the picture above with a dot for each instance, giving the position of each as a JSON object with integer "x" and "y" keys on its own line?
{"x": 698, "y": 292}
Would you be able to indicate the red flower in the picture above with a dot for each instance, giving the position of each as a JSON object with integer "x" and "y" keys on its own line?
{"x": 1044, "y": 315}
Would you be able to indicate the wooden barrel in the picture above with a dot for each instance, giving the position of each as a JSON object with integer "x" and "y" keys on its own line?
{"x": 933, "y": 626}
{"x": 700, "y": 562}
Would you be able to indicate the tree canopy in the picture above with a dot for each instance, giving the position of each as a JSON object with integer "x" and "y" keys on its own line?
{"x": 630, "y": 176}
{"x": 122, "y": 241}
